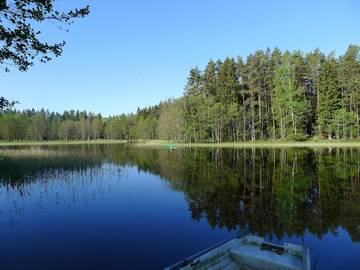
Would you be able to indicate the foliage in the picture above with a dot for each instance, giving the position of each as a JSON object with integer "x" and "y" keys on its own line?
{"x": 20, "y": 41}
{"x": 6, "y": 104}
{"x": 43, "y": 125}
{"x": 171, "y": 122}
{"x": 272, "y": 95}
{"x": 290, "y": 105}
{"x": 328, "y": 97}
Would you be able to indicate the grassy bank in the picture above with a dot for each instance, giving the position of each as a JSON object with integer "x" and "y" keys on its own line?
{"x": 19, "y": 143}
{"x": 259, "y": 144}
{"x": 159, "y": 143}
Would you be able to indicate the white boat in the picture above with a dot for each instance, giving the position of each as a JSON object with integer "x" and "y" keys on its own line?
{"x": 248, "y": 253}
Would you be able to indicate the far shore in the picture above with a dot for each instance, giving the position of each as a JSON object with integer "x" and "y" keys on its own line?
{"x": 258, "y": 144}
{"x": 159, "y": 143}
{"x": 59, "y": 142}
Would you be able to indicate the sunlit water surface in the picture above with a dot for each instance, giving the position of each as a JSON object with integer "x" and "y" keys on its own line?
{"x": 124, "y": 207}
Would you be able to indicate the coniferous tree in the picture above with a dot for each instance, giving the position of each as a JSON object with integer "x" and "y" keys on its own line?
{"x": 271, "y": 95}
{"x": 328, "y": 97}
{"x": 349, "y": 76}
{"x": 313, "y": 61}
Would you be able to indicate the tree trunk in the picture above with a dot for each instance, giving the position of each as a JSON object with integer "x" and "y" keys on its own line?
{"x": 244, "y": 117}
{"x": 260, "y": 118}
{"x": 273, "y": 123}
{"x": 253, "y": 136}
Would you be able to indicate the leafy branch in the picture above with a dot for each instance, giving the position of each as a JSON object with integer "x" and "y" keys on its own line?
{"x": 20, "y": 43}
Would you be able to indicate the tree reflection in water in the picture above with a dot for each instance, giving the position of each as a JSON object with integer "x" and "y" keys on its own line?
{"x": 274, "y": 191}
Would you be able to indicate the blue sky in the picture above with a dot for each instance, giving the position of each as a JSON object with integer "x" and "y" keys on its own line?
{"x": 130, "y": 54}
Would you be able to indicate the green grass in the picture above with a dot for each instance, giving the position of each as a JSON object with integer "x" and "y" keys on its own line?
{"x": 259, "y": 144}
{"x": 16, "y": 143}
{"x": 31, "y": 152}
{"x": 313, "y": 143}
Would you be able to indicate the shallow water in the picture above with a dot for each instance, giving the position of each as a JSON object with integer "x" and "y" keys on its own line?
{"x": 123, "y": 207}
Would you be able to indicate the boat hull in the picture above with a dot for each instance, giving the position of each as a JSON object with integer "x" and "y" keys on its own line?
{"x": 249, "y": 253}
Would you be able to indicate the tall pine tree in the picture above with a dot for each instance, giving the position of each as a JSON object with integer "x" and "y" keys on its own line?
{"x": 328, "y": 97}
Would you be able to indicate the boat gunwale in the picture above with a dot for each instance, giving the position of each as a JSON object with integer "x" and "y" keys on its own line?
{"x": 192, "y": 259}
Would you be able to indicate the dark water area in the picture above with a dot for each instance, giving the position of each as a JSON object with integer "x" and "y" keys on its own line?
{"x": 125, "y": 207}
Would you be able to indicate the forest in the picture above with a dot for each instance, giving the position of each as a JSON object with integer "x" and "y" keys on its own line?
{"x": 270, "y": 95}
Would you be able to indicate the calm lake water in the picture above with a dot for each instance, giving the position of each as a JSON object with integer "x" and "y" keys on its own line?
{"x": 124, "y": 207}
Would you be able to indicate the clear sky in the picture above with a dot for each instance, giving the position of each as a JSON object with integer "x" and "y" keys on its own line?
{"x": 133, "y": 53}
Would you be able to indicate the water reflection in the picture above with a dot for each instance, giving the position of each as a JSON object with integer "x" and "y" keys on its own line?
{"x": 44, "y": 178}
{"x": 276, "y": 191}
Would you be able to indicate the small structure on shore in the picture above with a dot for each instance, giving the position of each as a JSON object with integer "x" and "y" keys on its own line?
{"x": 170, "y": 146}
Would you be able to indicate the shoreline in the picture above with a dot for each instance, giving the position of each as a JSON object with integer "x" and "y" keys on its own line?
{"x": 258, "y": 144}
{"x": 160, "y": 143}
{"x": 59, "y": 142}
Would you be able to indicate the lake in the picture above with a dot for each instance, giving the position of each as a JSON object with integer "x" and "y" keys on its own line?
{"x": 125, "y": 207}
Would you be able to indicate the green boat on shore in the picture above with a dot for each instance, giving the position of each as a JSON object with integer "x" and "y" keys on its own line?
{"x": 170, "y": 146}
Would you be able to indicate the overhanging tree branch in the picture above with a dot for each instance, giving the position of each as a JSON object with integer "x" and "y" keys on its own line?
{"x": 4, "y": 103}
{"x": 20, "y": 42}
